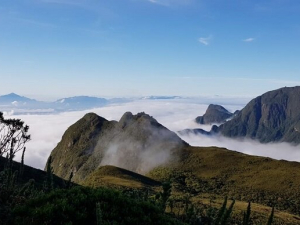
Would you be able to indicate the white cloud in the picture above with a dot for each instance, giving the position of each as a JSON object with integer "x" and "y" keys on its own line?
{"x": 15, "y": 103}
{"x": 249, "y": 39}
{"x": 205, "y": 41}
{"x": 179, "y": 114}
{"x": 46, "y": 130}
{"x": 278, "y": 151}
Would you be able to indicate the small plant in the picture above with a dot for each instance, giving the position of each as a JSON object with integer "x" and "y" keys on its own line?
{"x": 271, "y": 218}
{"x": 246, "y": 218}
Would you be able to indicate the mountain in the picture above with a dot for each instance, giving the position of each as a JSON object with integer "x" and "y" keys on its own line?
{"x": 214, "y": 114}
{"x": 137, "y": 143}
{"x": 80, "y": 102}
{"x": 23, "y": 105}
{"x": 14, "y": 99}
{"x": 161, "y": 97}
{"x": 271, "y": 117}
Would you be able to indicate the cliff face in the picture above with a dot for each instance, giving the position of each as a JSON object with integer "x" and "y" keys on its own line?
{"x": 271, "y": 117}
{"x": 137, "y": 143}
{"x": 214, "y": 114}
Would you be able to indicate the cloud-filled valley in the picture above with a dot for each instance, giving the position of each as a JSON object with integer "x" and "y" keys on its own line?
{"x": 176, "y": 114}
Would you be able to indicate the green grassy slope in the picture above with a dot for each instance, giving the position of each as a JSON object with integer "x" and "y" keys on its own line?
{"x": 117, "y": 177}
{"x": 212, "y": 173}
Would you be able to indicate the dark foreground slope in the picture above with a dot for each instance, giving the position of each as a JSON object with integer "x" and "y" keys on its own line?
{"x": 39, "y": 176}
{"x": 28, "y": 202}
{"x": 137, "y": 143}
{"x": 271, "y": 117}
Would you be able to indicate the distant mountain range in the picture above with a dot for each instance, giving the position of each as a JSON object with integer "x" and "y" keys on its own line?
{"x": 161, "y": 97}
{"x": 23, "y": 105}
{"x": 20, "y": 104}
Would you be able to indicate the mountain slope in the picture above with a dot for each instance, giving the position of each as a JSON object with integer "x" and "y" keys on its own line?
{"x": 117, "y": 177}
{"x": 137, "y": 143}
{"x": 271, "y": 117}
{"x": 39, "y": 176}
{"x": 212, "y": 171}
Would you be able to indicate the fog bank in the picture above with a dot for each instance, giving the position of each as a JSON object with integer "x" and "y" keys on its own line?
{"x": 46, "y": 130}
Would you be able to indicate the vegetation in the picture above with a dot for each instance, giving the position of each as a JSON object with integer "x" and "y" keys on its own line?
{"x": 209, "y": 174}
{"x": 191, "y": 191}
{"x": 82, "y": 205}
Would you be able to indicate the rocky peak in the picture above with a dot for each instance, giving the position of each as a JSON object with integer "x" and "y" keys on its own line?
{"x": 137, "y": 143}
{"x": 271, "y": 117}
{"x": 214, "y": 114}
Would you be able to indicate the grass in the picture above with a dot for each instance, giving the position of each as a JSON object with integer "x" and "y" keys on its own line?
{"x": 117, "y": 177}
{"x": 217, "y": 172}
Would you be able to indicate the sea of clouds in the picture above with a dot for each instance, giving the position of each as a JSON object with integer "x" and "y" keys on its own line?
{"x": 175, "y": 114}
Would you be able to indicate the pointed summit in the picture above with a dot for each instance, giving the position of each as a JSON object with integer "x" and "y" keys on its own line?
{"x": 14, "y": 97}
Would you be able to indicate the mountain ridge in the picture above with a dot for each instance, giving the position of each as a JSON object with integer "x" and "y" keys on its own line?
{"x": 271, "y": 117}
{"x": 136, "y": 142}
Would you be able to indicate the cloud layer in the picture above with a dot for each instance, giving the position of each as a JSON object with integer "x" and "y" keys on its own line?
{"x": 47, "y": 130}
{"x": 281, "y": 151}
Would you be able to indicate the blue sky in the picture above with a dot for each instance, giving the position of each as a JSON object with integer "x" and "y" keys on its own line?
{"x": 60, "y": 48}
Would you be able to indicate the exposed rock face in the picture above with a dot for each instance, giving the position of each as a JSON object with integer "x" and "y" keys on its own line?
{"x": 137, "y": 143}
{"x": 214, "y": 114}
{"x": 271, "y": 117}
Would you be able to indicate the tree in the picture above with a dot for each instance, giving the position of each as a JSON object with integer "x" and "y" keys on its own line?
{"x": 49, "y": 186}
{"x": 13, "y": 136}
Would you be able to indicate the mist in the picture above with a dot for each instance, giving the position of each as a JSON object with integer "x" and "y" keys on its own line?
{"x": 280, "y": 151}
{"x": 46, "y": 130}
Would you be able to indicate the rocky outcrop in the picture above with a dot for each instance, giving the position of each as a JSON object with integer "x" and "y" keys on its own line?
{"x": 214, "y": 114}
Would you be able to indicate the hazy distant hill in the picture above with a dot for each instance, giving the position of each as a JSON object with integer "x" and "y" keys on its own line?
{"x": 161, "y": 97}
{"x": 80, "y": 102}
{"x": 13, "y": 98}
{"x": 214, "y": 114}
{"x": 271, "y": 117}
{"x": 23, "y": 105}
